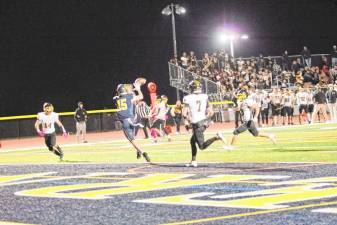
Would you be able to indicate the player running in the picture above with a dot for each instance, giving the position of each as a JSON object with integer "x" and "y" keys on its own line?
{"x": 248, "y": 106}
{"x": 159, "y": 114}
{"x": 198, "y": 112}
{"x": 126, "y": 100}
{"x": 47, "y": 120}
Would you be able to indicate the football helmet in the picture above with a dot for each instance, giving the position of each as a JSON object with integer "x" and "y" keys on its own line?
{"x": 121, "y": 89}
{"x": 48, "y": 107}
{"x": 195, "y": 86}
{"x": 164, "y": 98}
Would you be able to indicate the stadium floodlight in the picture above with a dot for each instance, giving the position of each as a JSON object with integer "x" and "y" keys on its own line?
{"x": 180, "y": 10}
{"x": 244, "y": 36}
{"x": 231, "y": 37}
{"x": 171, "y": 10}
{"x": 166, "y": 11}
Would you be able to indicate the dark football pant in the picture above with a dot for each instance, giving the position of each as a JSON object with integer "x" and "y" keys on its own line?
{"x": 198, "y": 138}
{"x": 50, "y": 140}
{"x": 248, "y": 125}
{"x": 128, "y": 129}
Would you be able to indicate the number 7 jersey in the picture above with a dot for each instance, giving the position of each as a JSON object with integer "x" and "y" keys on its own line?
{"x": 198, "y": 104}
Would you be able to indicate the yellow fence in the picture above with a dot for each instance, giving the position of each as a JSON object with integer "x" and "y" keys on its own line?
{"x": 89, "y": 112}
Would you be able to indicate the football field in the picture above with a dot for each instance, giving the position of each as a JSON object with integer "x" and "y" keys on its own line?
{"x": 293, "y": 182}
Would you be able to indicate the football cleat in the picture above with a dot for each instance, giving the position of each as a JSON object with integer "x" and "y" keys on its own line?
{"x": 60, "y": 153}
{"x": 229, "y": 147}
{"x": 221, "y": 137}
{"x": 146, "y": 157}
{"x": 192, "y": 164}
{"x": 139, "y": 154}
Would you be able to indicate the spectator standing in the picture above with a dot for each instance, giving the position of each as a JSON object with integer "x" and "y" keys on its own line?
{"x": 306, "y": 56}
{"x": 184, "y": 60}
{"x": 142, "y": 115}
{"x": 331, "y": 96}
{"x": 320, "y": 104}
{"x": 310, "y": 103}
{"x": 334, "y": 56}
{"x": 81, "y": 117}
{"x": 285, "y": 61}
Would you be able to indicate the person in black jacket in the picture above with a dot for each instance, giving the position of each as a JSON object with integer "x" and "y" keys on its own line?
{"x": 81, "y": 117}
{"x": 286, "y": 61}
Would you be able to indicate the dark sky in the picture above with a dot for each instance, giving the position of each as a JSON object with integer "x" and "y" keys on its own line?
{"x": 66, "y": 51}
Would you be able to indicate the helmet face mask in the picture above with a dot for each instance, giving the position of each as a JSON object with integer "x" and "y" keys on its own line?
{"x": 195, "y": 86}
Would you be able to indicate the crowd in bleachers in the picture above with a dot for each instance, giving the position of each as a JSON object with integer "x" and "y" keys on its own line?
{"x": 262, "y": 72}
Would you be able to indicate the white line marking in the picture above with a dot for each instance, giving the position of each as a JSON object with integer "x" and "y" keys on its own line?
{"x": 326, "y": 210}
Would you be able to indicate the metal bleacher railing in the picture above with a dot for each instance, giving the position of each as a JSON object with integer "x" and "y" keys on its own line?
{"x": 180, "y": 78}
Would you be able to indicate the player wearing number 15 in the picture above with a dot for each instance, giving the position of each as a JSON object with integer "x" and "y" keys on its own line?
{"x": 126, "y": 99}
{"x": 46, "y": 120}
{"x": 198, "y": 112}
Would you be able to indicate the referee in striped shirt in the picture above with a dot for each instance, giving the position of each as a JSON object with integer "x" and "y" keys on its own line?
{"x": 142, "y": 116}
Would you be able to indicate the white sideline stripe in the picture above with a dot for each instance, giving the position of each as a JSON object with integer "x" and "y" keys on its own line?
{"x": 326, "y": 210}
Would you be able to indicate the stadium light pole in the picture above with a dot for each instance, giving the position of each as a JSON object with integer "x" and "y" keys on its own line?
{"x": 171, "y": 10}
{"x": 224, "y": 37}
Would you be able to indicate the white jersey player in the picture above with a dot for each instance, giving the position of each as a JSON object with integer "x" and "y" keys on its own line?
{"x": 198, "y": 112}
{"x": 160, "y": 113}
{"x": 247, "y": 107}
{"x": 46, "y": 120}
{"x": 302, "y": 102}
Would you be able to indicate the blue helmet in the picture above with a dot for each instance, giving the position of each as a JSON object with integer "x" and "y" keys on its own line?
{"x": 121, "y": 89}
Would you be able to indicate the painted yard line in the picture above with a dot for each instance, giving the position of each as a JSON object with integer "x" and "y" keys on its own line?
{"x": 14, "y": 223}
{"x": 222, "y": 170}
{"x": 240, "y": 215}
{"x": 326, "y": 210}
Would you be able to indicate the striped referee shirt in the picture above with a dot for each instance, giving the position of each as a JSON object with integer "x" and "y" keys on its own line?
{"x": 142, "y": 110}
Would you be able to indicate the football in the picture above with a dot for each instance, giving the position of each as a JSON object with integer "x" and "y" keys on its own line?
{"x": 140, "y": 81}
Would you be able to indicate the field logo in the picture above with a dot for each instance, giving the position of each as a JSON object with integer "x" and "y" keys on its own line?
{"x": 268, "y": 194}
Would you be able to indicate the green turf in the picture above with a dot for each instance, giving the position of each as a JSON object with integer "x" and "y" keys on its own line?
{"x": 316, "y": 143}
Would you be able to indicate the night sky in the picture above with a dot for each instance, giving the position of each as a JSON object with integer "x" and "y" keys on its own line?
{"x": 66, "y": 51}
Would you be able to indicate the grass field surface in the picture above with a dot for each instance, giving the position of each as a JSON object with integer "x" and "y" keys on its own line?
{"x": 306, "y": 143}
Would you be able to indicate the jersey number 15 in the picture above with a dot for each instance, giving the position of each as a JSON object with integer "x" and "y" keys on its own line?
{"x": 121, "y": 104}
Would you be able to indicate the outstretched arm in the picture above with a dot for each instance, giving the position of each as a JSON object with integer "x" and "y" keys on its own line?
{"x": 139, "y": 95}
